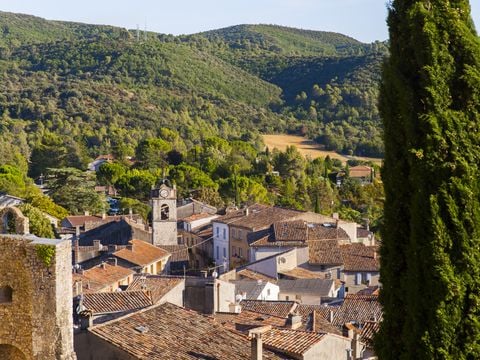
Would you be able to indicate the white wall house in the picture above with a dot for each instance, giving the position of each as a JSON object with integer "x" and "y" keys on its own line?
{"x": 220, "y": 245}
{"x": 257, "y": 290}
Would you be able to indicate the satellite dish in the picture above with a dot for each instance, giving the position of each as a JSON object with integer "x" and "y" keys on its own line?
{"x": 215, "y": 274}
{"x": 238, "y": 298}
{"x": 282, "y": 260}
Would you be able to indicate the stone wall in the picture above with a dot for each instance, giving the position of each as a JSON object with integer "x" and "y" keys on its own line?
{"x": 37, "y": 322}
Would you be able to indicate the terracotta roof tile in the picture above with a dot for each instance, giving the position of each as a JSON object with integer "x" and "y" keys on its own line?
{"x": 172, "y": 332}
{"x": 369, "y": 329}
{"x": 247, "y": 320}
{"x": 99, "y": 277}
{"x": 253, "y": 275}
{"x": 325, "y": 252}
{"x": 300, "y": 273}
{"x": 104, "y": 302}
{"x": 275, "y": 308}
{"x": 371, "y": 290}
{"x": 359, "y": 309}
{"x": 291, "y": 341}
{"x": 358, "y": 257}
{"x": 141, "y": 253}
{"x": 290, "y": 231}
{"x": 157, "y": 285}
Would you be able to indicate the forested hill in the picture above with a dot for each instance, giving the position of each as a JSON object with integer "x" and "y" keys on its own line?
{"x": 85, "y": 90}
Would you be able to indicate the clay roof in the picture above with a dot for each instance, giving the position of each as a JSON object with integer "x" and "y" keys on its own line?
{"x": 247, "y": 320}
{"x": 320, "y": 287}
{"x": 358, "y": 257}
{"x": 157, "y": 285}
{"x": 80, "y": 220}
{"x": 177, "y": 252}
{"x": 198, "y": 217}
{"x": 363, "y": 233}
{"x": 369, "y": 329}
{"x": 101, "y": 276}
{"x": 322, "y": 232}
{"x": 275, "y": 308}
{"x": 235, "y": 215}
{"x": 253, "y": 275}
{"x": 111, "y": 302}
{"x": 291, "y": 341}
{"x": 171, "y": 332}
{"x": 325, "y": 252}
{"x": 290, "y": 231}
{"x": 359, "y": 309}
{"x": 370, "y": 290}
{"x": 353, "y": 257}
{"x": 142, "y": 253}
{"x": 300, "y": 273}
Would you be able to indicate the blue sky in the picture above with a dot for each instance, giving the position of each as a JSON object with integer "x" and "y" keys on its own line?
{"x": 361, "y": 19}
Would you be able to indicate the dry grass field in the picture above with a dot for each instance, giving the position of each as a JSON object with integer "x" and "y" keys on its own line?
{"x": 307, "y": 147}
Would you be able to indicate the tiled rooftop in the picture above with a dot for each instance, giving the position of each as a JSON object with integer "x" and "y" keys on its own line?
{"x": 247, "y": 320}
{"x": 358, "y": 257}
{"x": 275, "y": 308}
{"x": 111, "y": 302}
{"x": 157, "y": 285}
{"x": 325, "y": 252}
{"x": 172, "y": 332}
{"x": 101, "y": 276}
{"x": 141, "y": 253}
{"x": 291, "y": 341}
{"x": 253, "y": 275}
{"x": 320, "y": 287}
{"x": 300, "y": 273}
{"x": 358, "y": 308}
{"x": 290, "y": 231}
{"x": 369, "y": 329}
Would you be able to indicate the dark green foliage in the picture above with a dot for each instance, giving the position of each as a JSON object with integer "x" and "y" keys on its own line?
{"x": 430, "y": 105}
{"x": 39, "y": 224}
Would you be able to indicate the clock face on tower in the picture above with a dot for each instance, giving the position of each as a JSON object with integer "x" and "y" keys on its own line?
{"x": 164, "y": 193}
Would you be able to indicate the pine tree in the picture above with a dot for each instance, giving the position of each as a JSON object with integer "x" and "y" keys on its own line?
{"x": 430, "y": 105}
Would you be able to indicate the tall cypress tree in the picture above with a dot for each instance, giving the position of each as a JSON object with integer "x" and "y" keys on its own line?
{"x": 430, "y": 105}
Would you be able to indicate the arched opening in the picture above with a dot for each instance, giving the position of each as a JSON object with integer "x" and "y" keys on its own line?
{"x": 9, "y": 223}
{"x": 6, "y": 293}
{"x": 9, "y": 352}
{"x": 164, "y": 212}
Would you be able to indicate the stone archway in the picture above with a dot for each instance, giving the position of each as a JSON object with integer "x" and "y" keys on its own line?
{"x": 12, "y": 221}
{"x": 10, "y": 352}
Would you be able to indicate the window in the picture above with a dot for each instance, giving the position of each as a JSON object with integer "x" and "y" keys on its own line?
{"x": 224, "y": 233}
{"x": 239, "y": 235}
{"x": 217, "y": 231}
{"x": 233, "y": 233}
{"x": 298, "y": 297}
{"x": 240, "y": 252}
{"x": 164, "y": 212}
{"x": 218, "y": 253}
{"x": 358, "y": 278}
{"x": 233, "y": 251}
{"x": 6, "y": 293}
{"x": 287, "y": 297}
{"x": 224, "y": 252}
{"x": 268, "y": 292}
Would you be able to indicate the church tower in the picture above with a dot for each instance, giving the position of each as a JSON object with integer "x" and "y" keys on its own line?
{"x": 164, "y": 214}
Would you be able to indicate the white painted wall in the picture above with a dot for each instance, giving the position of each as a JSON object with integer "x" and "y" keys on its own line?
{"x": 220, "y": 242}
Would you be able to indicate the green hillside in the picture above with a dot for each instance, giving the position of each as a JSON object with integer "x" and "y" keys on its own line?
{"x": 93, "y": 89}
{"x": 284, "y": 40}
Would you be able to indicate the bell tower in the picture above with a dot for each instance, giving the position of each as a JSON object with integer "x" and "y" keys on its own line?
{"x": 164, "y": 214}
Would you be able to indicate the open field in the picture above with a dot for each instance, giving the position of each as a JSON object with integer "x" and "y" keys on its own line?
{"x": 308, "y": 147}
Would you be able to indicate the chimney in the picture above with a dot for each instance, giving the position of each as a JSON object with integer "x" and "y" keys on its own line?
{"x": 112, "y": 261}
{"x": 78, "y": 287}
{"x": 86, "y": 320}
{"x": 97, "y": 245}
{"x": 335, "y": 216}
{"x": 256, "y": 336}
{"x": 76, "y": 249}
{"x": 294, "y": 321}
{"x": 374, "y": 255}
{"x": 235, "y": 308}
{"x": 77, "y": 231}
{"x": 247, "y": 211}
{"x": 103, "y": 265}
{"x": 86, "y": 213}
{"x": 104, "y": 216}
{"x": 130, "y": 246}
